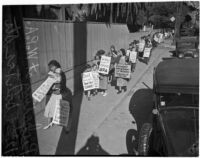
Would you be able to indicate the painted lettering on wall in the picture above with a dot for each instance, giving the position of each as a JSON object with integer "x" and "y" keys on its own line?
{"x": 31, "y": 35}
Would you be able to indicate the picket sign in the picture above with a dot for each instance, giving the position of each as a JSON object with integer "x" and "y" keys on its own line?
{"x": 133, "y": 56}
{"x": 123, "y": 71}
{"x": 104, "y": 65}
{"x": 141, "y": 46}
{"x": 95, "y": 76}
{"x": 88, "y": 81}
{"x": 147, "y": 52}
{"x": 41, "y": 91}
{"x": 61, "y": 114}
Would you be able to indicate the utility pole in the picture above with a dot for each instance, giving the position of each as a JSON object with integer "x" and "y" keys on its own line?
{"x": 178, "y": 19}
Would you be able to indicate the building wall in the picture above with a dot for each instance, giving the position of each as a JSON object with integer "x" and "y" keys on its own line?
{"x": 72, "y": 45}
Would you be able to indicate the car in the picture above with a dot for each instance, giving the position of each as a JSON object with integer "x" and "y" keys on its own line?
{"x": 174, "y": 130}
{"x": 187, "y": 47}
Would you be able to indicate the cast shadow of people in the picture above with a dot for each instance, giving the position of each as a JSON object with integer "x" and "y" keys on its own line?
{"x": 140, "y": 107}
{"x": 92, "y": 147}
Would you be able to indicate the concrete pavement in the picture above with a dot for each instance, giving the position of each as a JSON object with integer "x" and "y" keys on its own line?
{"x": 89, "y": 117}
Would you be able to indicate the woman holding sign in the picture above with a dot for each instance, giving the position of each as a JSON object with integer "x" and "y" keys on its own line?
{"x": 122, "y": 82}
{"x": 57, "y": 92}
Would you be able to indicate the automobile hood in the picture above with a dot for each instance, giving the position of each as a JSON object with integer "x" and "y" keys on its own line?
{"x": 181, "y": 130}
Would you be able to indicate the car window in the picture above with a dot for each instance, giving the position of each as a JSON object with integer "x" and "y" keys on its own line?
{"x": 178, "y": 99}
{"x": 181, "y": 126}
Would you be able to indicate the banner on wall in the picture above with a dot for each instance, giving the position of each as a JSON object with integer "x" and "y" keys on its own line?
{"x": 123, "y": 71}
{"x": 104, "y": 65}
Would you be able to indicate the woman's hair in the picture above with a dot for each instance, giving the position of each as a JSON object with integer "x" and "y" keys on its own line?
{"x": 54, "y": 63}
{"x": 93, "y": 65}
{"x": 112, "y": 46}
{"x": 123, "y": 51}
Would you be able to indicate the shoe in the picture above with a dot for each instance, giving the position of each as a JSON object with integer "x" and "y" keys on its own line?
{"x": 89, "y": 98}
{"x": 105, "y": 94}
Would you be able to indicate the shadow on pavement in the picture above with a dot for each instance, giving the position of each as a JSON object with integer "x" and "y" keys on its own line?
{"x": 92, "y": 147}
{"x": 140, "y": 107}
{"x": 67, "y": 141}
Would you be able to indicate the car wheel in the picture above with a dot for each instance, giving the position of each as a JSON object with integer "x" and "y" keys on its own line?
{"x": 144, "y": 140}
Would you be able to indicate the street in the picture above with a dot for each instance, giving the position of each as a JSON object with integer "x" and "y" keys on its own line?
{"x": 105, "y": 125}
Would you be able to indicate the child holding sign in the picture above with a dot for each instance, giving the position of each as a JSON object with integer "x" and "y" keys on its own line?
{"x": 87, "y": 81}
{"x": 96, "y": 78}
{"x": 103, "y": 72}
{"x": 122, "y": 82}
{"x": 131, "y": 55}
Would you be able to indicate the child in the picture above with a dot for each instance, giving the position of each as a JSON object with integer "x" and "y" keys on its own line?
{"x": 148, "y": 45}
{"x": 95, "y": 69}
{"x": 122, "y": 82}
{"x": 88, "y": 92}
{"x": 103, "y": 82}
{"x": 141, "y": 47}
{"x": 131, "y": 55}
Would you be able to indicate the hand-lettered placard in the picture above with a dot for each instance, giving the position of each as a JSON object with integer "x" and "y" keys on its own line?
{"x": 88, "y": 81}
{"x": 147, "y": 52}
{"x": 95, "y": 76}
{"x": 133, "y": 56}
{"x": 104, "y": 65}
{"x": 141, "y": 46}
{"x": 41, "y": 91}
{"x": 61, "y": 114}
{"x": 123, "y": 71}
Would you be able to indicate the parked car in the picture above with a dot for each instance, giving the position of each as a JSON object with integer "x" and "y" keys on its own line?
{"x": 175, "y": 127}
{"x": 187, "y": 46}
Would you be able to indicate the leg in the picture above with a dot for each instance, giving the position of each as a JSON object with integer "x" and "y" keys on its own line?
{"x": 120, "y": 90}
{"x": 105, "y": 92}
{"x": 88, "y": 95}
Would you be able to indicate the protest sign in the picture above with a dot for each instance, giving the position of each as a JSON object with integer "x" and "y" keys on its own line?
{"x": 147, "y": 52}
{"x": 104, "y": 65}
{"x": 141, "y": 46}
{"x": 96, "y": 79}
{"x": 61, "y": 114}
{"x": 133, "y": 56}
{"x": 123, "y": 71}
{"x": 88, "y": 81}
{"x": 41, "y": 91}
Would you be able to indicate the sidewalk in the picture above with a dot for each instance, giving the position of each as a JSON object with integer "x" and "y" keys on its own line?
{"x": 87, "y": 117}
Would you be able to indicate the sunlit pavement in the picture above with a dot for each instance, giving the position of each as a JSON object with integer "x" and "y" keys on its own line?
{"x": 108, "y": 118}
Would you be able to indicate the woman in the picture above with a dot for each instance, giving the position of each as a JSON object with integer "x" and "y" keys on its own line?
{"x": 57, "y": 91}
{"x": 103, "y": 78}
{"x": 122, "y": 82}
